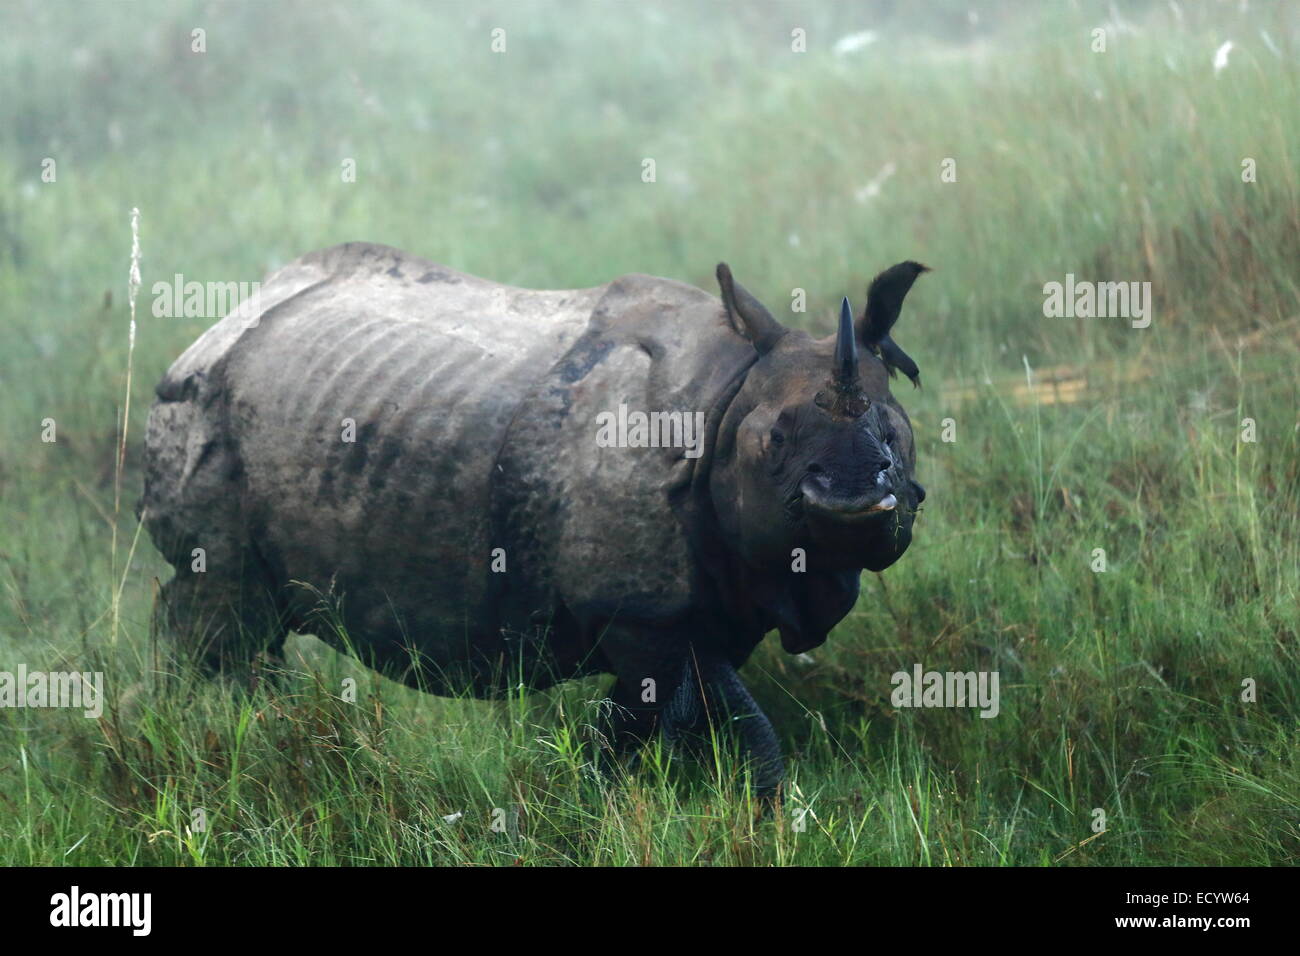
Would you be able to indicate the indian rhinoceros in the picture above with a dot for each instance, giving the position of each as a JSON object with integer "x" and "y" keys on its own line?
{"x": 408, "y": 461}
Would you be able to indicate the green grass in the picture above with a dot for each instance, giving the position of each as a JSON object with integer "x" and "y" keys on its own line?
{"x": 1120, "y": 690}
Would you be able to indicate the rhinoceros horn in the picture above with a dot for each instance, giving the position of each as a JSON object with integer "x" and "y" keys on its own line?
{"x": 846, "y": 349}
{"x": 759, "y": 326}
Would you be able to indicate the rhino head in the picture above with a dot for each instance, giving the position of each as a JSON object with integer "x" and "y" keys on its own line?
{"x": 814, "y": 452}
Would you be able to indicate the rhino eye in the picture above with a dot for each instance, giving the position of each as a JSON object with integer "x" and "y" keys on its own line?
{"x": 777, "y": 437}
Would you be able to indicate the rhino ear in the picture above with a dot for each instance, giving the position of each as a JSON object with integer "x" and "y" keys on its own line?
{"x": 749, "y": 315}
{"x": 884, "y": 301}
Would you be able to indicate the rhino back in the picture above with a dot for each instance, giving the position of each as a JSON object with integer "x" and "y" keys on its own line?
{"x": 430, "y": 365}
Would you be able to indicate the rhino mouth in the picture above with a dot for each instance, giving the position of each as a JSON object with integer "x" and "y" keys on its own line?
{"x": 870, "y": 504}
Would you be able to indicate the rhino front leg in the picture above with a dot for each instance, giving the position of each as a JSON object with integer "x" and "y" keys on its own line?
{"x": 667, "y": 684}
{"x": 712, "y": 695}
{"x": 648, "y": 665}
{"x": 626, "y": 722}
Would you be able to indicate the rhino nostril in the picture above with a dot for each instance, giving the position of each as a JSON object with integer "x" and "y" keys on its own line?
{"x": 814, "y": 469}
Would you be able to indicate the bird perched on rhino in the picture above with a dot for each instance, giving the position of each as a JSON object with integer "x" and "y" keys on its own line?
{"x": 419, "y": 446}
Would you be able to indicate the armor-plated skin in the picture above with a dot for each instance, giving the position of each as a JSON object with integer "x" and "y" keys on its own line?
{"x": 475, "y": 535}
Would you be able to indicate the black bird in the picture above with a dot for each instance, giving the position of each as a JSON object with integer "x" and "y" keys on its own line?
{"x": 884, "y": 301}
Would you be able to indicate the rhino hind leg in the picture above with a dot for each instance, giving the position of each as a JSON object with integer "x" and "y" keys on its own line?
{"x": 219, "y": 624}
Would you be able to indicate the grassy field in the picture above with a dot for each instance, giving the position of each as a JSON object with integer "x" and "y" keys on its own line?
{"x": 1122, "y": 690}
